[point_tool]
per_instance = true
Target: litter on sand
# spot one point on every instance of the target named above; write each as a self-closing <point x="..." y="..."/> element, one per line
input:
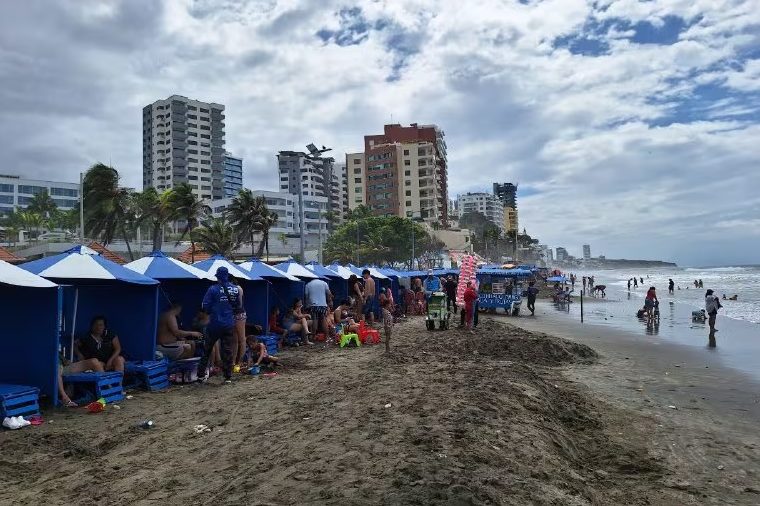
<point x="388" y="405"/>
<point x="200" y="429"/>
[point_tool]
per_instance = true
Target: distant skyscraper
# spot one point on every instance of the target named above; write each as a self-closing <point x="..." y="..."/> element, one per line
<point x="586" y="251"/>
<point x="561" y="254"/>
<point x="183" y="142"/>
<point x="507" y="194"/>
<point x="233" y="175"/>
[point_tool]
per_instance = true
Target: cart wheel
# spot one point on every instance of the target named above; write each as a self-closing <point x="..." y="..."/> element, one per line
<point x="516" y="311"/>
<point x="429" y="324"/>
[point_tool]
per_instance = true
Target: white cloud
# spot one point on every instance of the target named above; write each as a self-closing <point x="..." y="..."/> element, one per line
<point x="604" y="139"/>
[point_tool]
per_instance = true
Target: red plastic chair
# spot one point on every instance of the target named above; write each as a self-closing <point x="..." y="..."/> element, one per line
<point x="368" y="335"/>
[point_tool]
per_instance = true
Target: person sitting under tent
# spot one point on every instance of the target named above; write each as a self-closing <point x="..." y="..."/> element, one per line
<point x="342" y="316"/>
<point x="170" y="340"/>
<point x="274" y="325"/>
<point x="297" y="322"/>
<point x="101" y="344"/>
<point x="66" y="367"/>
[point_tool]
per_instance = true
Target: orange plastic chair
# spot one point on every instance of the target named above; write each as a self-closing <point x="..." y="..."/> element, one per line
<point x="368" y="335"/>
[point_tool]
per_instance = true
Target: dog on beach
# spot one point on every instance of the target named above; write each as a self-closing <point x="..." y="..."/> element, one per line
<point x="599" y="290"/>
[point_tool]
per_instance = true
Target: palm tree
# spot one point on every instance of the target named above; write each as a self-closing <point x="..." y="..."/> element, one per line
<point x="156" y="210"/>
<point x="188" y="207"/>
<point x="267" y="220"/>
<point x="217" y="236"/>
<point x="108" y="208"/>
<point x="42" y="203"/>
<point x="246" y="213"/>
<point x="29" y="221"/>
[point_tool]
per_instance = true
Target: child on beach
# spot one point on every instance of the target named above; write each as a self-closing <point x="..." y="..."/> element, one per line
<point x="387" y="323"/>
<point x="256" y="354"/>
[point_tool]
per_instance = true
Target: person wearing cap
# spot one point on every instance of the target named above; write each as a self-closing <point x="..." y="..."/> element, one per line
<point x="432" y="284"/>
<point x="221" y="302"/>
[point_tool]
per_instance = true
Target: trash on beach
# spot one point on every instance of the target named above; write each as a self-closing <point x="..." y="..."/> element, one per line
<point x="116" y="406"/>
<point x="721" y="467"/>
<point x="306" y="417"/>
<point x="200" y="429"/>
<point x="130" y="397"/>
<point x="672" y="407"/>
<point x="441" y="455"/>
<point x="388" y="405"/>
<point x="676" y="365"/>
<point x="146" y="424"/>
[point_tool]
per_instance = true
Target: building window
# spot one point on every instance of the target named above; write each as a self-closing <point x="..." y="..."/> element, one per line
<point x="33" y="190"/>
<point x="407" y="172"/>
<point x="6" y="188"/>
<point x="6" y="199"/>
<point x="357" y="171"/>
<point x="357" y="180"/>
<point x="357" y="161"/>
<point x="420" y="151"/>
<point x="407" y="183"/>
<point x="408" y="193"/>
<point x="407" y="162"/>
<point x="406" y="152"/>
<point x="408" y="203"/>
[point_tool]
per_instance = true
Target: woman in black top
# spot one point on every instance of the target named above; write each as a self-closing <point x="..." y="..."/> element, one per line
<point x="100" y="344"/>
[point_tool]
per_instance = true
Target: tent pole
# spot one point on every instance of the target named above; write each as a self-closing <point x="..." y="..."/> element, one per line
<point x="74" y="324"/>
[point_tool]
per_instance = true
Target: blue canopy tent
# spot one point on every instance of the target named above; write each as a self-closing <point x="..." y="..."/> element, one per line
<point x="97" y="286"/>
<point x="283" y="288"/>
<point x="181" y="283"/>
<point x="338" y="283"/>
<point x="255" y="289"/>
<point x="295" y="269"/>
<point x="556" y="279"/>
<point x="29" y="341"/>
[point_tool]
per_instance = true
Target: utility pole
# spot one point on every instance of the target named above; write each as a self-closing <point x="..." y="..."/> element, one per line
<point x="412" y="263"/>
<point x="301" y="219"/>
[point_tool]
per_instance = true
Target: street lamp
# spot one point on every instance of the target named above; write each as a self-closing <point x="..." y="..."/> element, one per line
<point x="314" y="154"/>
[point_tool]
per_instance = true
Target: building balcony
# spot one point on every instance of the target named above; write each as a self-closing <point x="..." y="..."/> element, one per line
<point x="178" y="126"/>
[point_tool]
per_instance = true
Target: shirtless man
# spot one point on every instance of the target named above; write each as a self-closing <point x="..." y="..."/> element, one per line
<point x="369" y="296"/>
<point x="171" y="340"/>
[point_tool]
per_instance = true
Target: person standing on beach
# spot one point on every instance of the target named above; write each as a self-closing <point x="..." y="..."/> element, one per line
<point x="450" y="288"/>
<point x="470" y="296"/>
<point x="532" y="293"/>
<point x="318" y="298"/>
<point x="584" y="283"/>
<point x="635" y="283"/>
<point x="629" y="284"/>
<point x="712" y="304"/>
<point x="221" y="301"/>
<point x="369" y="296"/>
<point x="671" y="286"/>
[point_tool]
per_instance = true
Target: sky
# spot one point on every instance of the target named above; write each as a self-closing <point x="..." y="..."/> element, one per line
<point x="632" y="126"/>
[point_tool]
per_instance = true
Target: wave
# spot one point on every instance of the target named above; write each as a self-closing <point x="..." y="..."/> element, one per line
<point x="718" y="269"/>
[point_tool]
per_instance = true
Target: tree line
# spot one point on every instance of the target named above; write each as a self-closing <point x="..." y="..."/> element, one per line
<point x="113" y="212"/>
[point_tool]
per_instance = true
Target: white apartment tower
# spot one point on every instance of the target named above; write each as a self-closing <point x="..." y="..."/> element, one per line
<point x="486" y="204"/>
<point x="314" y="177"/>
<point x="183" y="142"/>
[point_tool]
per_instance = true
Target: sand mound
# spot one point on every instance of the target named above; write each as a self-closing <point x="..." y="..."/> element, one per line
<point x="448" y="418"/>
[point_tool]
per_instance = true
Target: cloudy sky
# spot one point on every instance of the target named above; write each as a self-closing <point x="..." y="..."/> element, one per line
<point x="630" y="125"/>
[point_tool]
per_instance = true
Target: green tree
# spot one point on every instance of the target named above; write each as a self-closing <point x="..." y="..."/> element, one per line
<point x="156" y="210"/>
<point x="217" y="236"/>
<point x="189" y="208"/>
<point x="249" y="215"/>
<point x="267" y="220"/>
<point x="108" y="208"/>
<point x="43" y="204"/>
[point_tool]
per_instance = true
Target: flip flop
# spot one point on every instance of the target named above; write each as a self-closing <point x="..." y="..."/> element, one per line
<point x="36" y="420"/>
<point x="70" y="404"/>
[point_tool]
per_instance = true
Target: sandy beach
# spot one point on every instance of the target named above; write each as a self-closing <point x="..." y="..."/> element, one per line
<point x="505" y="416"/>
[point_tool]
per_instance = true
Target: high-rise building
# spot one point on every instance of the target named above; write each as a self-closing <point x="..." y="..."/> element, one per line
<point x="183" y="142"/>
<point x="233" y="175"/>
<point x="356" y="175"/>
<point x="586" y="251"/>
<point x="404" y="172"/>
<point x="561" y="254"/>
<point x="315" y="177"/>
<point x="484" y="203"/>
<point x="17" y="192"/>
<point x="507" y="194"/>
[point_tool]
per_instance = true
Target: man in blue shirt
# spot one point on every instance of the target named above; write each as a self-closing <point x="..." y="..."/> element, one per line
<point x="431" y="284"/>
<point x="220" y="302"/>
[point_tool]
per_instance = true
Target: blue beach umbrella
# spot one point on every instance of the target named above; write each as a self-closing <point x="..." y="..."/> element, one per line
<point x="97" y="286"/>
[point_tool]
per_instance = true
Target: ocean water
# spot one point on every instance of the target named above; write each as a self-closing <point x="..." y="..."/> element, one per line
<point x="741" y="281"/>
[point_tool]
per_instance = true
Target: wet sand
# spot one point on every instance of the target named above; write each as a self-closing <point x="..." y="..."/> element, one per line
<point x="504" y="416"/>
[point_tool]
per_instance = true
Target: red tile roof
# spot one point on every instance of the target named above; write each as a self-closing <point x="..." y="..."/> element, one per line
<point x="107" y="253"/>
<point x="188" y="258"/>
<point x="9" y="257"/>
